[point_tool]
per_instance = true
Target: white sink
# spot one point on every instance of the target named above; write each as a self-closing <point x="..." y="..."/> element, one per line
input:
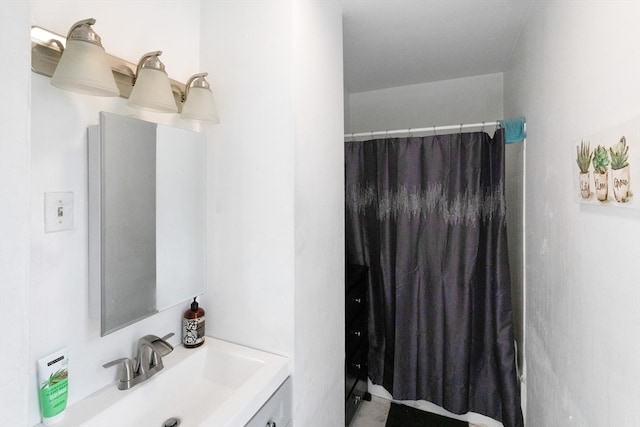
<point x="219" y="384"/>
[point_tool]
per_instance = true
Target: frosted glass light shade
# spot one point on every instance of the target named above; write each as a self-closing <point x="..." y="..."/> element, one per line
<point x="152" y="92"/>
<point x="200" y="106"/>
<point x="83" y="68"/>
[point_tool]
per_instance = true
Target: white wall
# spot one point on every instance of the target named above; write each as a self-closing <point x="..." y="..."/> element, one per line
<point x="319" y="216"/>
<point x="59" y="311"/>
<point x="277" y="260"/>
<point x="347" y="112"/>
<point x="247" y="48"/>
<point x="14" y="212"/>
<point x="466" y="100"/>
<point x="575" y="72"/>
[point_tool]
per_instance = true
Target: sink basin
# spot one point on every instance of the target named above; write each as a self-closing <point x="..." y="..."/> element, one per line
<point x="217" y="384"/>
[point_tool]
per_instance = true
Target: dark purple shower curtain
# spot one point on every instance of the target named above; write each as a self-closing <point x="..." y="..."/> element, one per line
<point x="427" y="215"/>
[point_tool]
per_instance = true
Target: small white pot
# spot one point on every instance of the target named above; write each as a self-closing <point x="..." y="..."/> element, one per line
<point x="585" y="189"/>
<point x="621" y="181"/>
<point x="601" y="181"/>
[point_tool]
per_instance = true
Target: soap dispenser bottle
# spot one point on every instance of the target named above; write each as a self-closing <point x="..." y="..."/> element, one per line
<point x="193" y="326"/>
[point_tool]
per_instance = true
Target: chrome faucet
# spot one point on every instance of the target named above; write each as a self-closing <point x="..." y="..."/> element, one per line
<point x="146" y="363"/>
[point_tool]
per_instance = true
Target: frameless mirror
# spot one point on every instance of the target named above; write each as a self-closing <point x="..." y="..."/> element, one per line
<point x="146" y="217"/>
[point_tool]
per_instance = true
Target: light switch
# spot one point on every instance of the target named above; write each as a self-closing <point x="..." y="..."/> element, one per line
<point x="58" y="211"/>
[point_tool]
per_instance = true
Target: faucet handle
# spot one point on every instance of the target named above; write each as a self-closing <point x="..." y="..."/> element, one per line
<point x="126" y="374"/>
<point x="166" y="337"/>
<point x="161" y="345"/>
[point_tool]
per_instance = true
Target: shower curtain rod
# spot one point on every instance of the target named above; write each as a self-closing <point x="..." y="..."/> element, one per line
<point x="428" y="129"/>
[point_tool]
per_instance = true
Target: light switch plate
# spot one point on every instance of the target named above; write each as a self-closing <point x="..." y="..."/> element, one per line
<point x="58" y="211"/>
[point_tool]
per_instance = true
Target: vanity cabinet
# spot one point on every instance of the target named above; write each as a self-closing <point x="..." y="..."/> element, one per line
<point x="356" y="339"/>
<point x="276" y="412"/>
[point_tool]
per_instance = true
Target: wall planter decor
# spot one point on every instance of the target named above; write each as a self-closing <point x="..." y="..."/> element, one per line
<point x="620" y="170"/>
<point x="603" y="175"/>
<point x="600" y="173"/>
<point x="584" y="161"/>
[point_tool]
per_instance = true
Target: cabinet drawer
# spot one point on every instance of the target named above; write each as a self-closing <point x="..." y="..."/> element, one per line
<point x="356" y="382"/>
<point x="355" y="335"/>
<point x="277" y="410"/>
<point x="355" y="298"/>
<point x="354" y="399"/>
<point x="355" y="275"/>
<point x="356" y="368"/>
<point x="355" y="306"/>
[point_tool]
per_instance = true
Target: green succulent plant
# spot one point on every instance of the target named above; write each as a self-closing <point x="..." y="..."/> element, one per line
<point x="619" y="154"/>
<point x="584" y="155"/>
<point x="600" y="159"/>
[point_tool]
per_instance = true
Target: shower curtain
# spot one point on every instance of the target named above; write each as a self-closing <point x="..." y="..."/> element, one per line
<point x="427" y="215"/>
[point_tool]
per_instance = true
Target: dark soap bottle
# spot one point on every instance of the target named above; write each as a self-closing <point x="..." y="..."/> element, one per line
<point x="193" y="326"/>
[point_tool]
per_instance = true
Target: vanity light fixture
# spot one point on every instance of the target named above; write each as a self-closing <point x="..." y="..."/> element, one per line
<point x="83" y="66"/>
<point x="46" y="59"/>
<point x="198" y="100"/>
<point x="151" y="87"/>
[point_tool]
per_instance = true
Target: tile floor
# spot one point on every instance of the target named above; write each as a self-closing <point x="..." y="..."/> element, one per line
<point x="371" y="414"/>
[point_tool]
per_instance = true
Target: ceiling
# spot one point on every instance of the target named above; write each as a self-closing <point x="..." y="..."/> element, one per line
<point x="391" y="43"/>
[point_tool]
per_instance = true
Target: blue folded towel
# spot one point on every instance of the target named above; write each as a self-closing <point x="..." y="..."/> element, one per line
<point x="513" y="130"/>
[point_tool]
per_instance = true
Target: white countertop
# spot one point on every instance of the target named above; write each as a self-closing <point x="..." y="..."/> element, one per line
<point x="219" y="384"/>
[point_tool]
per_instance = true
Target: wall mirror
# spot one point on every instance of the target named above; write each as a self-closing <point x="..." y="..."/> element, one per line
<point x="147" y="219"/>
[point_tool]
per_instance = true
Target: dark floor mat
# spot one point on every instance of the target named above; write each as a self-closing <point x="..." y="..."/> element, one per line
<point x="406" y="416"/>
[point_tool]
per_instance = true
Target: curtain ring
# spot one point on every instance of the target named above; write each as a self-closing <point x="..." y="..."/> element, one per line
<point x="387" y="133"/>
<point x="460" y="128"/>
<point x="371" y="136"/>
<point x="434" y="130"/>
<point x="410" y="133"/>
<point x="482" y="126"/>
